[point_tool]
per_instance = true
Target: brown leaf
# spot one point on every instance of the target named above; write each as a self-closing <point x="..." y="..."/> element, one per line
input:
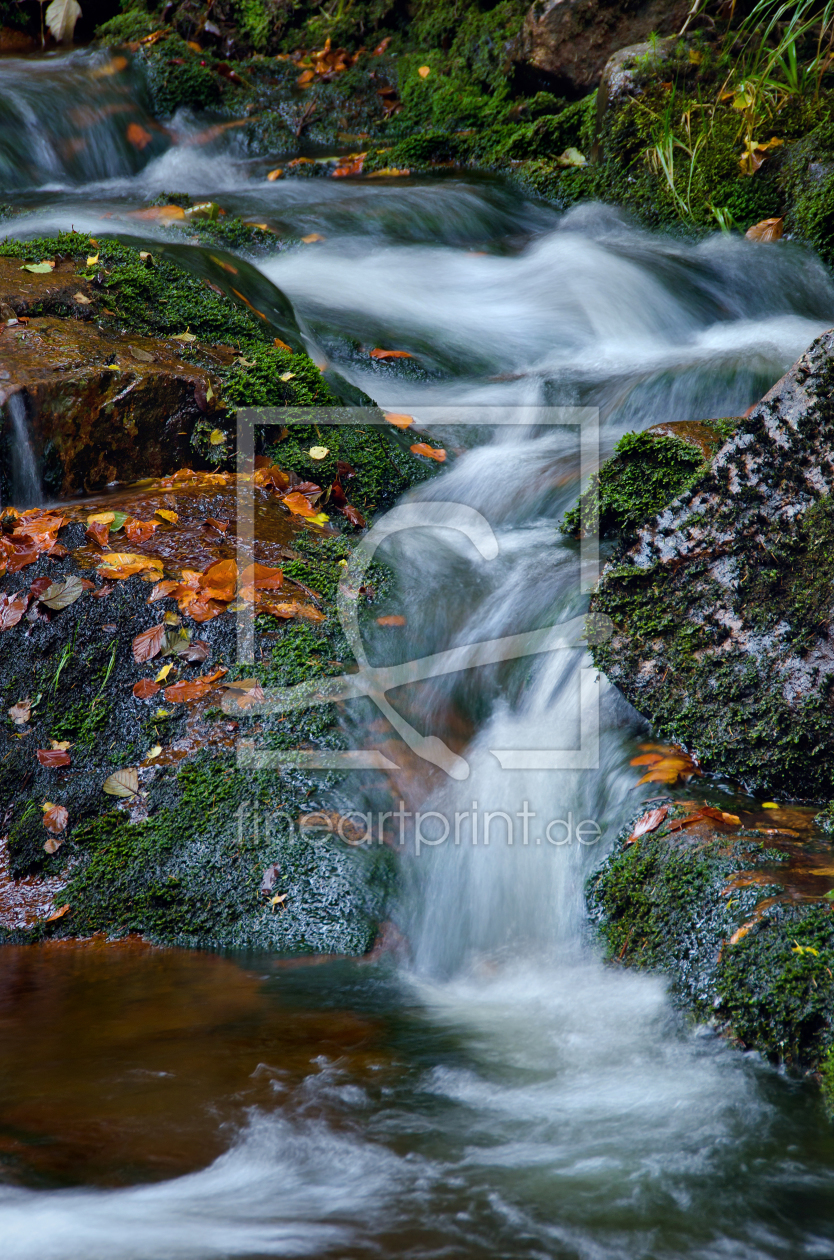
<point x="298" y="504"/>
<point x="145" y="688"/>
<point x="103" y="591"/>
<point x="391" y="354"/>
<point x="648" y="759"/>
<point x="21" y="712"/>
<point x="53" y="757"/>
<point x="767" y="230"/>
<point x="182" y="692"/>
<point x="679" y="823"/>
<point x="148" y="644"/>
<point x="649" y="822"/>
<point x="12" y="608"/>
<point x="98" y="532"/>
<point x="217" y="523"/>
<point x="140" y="531"/>
<point x="195" y="652"/>
<point x="60" y="912"/>
<point x="203" y="610"/>
<point x="55" y="817"/>
<point x="393" y="619"/>
<point x="353" y="514"/>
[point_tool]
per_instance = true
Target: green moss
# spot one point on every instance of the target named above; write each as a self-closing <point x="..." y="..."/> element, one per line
<point x="647" y="471"/>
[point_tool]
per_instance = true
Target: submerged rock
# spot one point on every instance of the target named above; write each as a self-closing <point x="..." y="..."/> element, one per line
<point x="722" y="606"/>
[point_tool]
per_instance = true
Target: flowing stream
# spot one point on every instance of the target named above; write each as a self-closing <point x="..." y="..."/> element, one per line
<point x="499" y="1093"/>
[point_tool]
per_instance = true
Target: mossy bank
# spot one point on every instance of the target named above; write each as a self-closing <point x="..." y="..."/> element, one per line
<point x="203" y="850"/>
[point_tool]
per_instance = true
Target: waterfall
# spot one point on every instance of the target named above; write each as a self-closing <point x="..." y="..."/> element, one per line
<point x="26" y="488"/>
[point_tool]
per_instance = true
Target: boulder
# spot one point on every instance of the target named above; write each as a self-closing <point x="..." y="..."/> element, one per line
<point x="103" y="406"/>
<point x="722" y="606"/>
<point x="569" y="41"/>
<point x="735" y="908"/>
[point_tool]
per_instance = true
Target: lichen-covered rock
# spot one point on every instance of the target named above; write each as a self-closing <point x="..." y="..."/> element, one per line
<point x="738" y="914"/>
<point x="722" y="606"/>
<point x="570" y="41"/>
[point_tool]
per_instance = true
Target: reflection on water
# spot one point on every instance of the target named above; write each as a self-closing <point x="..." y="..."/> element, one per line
<point x="503" y="1095"/>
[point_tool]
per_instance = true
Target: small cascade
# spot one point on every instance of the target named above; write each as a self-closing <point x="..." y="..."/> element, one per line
<point x="72" y="122"/>
<point x="26" y="489"/>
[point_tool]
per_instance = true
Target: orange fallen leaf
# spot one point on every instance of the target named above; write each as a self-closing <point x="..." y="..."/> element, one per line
<point x="140" y="531"/>
<point x="58" y="914"/>
<point x="138" y="136"/>
<point x="741" y="932"/>
<point x="431" y="452"/>
<point x="393" y="619"/>
<point x="391" y="354"/>
<point x="767" y="230"/>
<point x="262" y="577"/>
<point x="298" y="504"/>
<point x="649" y="822"/>
<point x="398" y="419"/>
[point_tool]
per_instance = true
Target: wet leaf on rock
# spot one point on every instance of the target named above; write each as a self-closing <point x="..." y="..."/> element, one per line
<point x="398" y="419"/>
<point x="53" y="757"/>
<point x="430" y="452"/>
<point x="140" y="531"/>
<point x="39" y="269"/>
<point x="649" y="822"/>
<point x="145" y="688"/>
<point x="62" y="910"/>
<point x="391" y="354"/>
<point x="122" y="783"/>
<point x="62" y="594"/>
<point x="55" y="817"/>
<point x="12" y="608"/>
<point x="149" y="643"/>
<point x="167" y="515"/>
<point x="21" y="712"/>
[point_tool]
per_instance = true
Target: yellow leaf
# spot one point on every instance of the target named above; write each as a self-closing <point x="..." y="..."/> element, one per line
<point x="113" y="559"/>
<point x="154" y="752"/>
<point x="287" y="376"/>
<point x="321" y="518"/>
<point x="695" y="57"/>
<point x="312" y="238"/>
<point x="162" y="713"/>
<point x="187" y="337"/>
<point x="217" y="437"/>
<point x="769" y="805"/>
<point x="163" y="673"/>
<point x="101" y="518"/>
<point x="424" y="72"/>
<point x="276" y="174"/>
<point x="92" y="260"/>
<point x="166" y="516"/>
<point x="318" y="452"/>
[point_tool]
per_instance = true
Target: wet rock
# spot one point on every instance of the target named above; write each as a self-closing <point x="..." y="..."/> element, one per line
<point x="738" y="914"/>
<point x="570" y="41"/>
<point x="722" y="607"/>
<point x="103" y="406"/>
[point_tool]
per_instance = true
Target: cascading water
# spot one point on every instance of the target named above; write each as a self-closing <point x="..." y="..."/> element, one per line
<point x="501" y="1094"/>
<point x="25" y="473"/>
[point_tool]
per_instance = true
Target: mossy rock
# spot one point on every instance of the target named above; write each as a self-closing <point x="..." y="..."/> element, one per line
<point x="646" y="472"/>
<point x="721" y="605"/>
<point x="728" y="914"/>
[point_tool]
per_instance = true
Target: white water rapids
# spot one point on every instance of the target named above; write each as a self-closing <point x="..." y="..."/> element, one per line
<point x="547" y="1106"/>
